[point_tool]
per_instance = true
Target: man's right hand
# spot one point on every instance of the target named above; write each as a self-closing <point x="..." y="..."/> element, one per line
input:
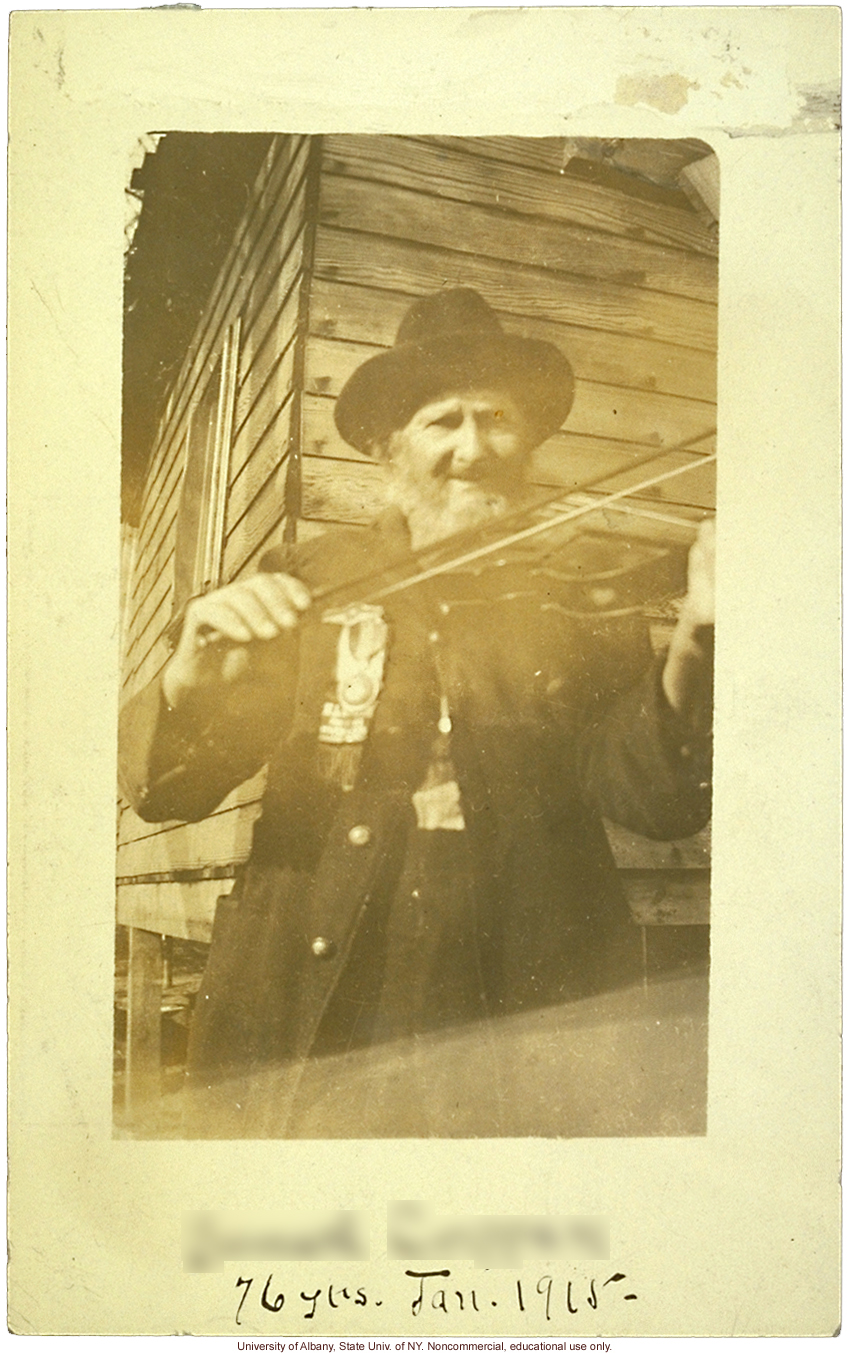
<point x="223" y="632"/>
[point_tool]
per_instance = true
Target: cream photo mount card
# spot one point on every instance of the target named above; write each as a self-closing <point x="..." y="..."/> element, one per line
<point x="723" y="1222"/>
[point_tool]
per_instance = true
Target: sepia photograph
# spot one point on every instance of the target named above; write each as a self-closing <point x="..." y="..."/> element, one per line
<point x="424" y="913"/>
<point x="418" y="488"/>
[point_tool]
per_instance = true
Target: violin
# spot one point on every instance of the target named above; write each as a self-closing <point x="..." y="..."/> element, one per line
<point x="644" y="552"/>
<point x="646" y="549"/>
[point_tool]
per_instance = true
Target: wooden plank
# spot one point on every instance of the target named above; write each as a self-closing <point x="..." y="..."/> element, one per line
<point x="555" y="156"/>
<point x="700" y="182"/>
<point x="152" y="603"/>
<point x="311" y="530"/>
<point x="250" y="563"/>
<point x="267" y="400"/>
<point x="231" y="288"/>
<point x="220" y="839"/>
<point x="151" y="526"/>
<point x="131" y="828"/>
<point x="276" y="233"/>
<point x="147" y="667"/>
<point x="634" y="852"/>
<point x="371" y="318"/>
<point x="599" y="410"/>
<point x="266" y="512"/>
<point x="567" y="458"/>
<point x="355" y="491"/>
<point x="659" y="161"/>
<point x="272" y="325"/>
<point x="636" y="415"/>
<point x="153" y="616"/>
<point x="668" y="897"/>
<point x="270" y="453"/>
<point x="342" y="491"/>
<point x="153" y="568"/>
<point x="419" y="269"/>
<point x="183" y="910"/>
<point x="144" y="1018"/>
<point x="228" y="293"/>
<point x="573" y="461"/>
<point x="356" y="204"/>
<point x="159" y="562"/>
<point x="516" y="180"/>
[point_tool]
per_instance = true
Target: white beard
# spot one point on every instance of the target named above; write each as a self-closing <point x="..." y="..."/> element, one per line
<point x="456" y="505"/>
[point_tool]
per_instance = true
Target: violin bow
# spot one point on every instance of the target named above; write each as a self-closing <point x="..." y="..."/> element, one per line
<point x="455" y="554"/>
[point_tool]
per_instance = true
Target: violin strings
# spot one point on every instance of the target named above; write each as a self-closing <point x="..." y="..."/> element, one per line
<point x="559" y="519"/>
<point x="666" y="517"/>
<point x="323" y="595"/>
<point x="210" y="636"/>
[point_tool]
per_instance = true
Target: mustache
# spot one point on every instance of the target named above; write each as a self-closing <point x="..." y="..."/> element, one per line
<point x="490" y="469"/>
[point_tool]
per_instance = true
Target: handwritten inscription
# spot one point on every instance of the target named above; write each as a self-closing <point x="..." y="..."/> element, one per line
<point x="545" y="1298"/>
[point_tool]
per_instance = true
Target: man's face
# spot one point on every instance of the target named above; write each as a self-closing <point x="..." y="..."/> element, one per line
<point x="459" y="461"/>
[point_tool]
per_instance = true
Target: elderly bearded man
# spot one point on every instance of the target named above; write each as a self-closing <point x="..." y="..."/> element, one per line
<point x="430" y="854"/>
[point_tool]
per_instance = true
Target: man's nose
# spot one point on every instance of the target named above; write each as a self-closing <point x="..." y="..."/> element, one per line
<point x="471" y="444"/>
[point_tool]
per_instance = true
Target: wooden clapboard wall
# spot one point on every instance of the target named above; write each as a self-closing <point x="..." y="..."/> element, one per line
<point x="626" y="284"/>
<point x="169" y="875"/>
<point x="341" y="233"/>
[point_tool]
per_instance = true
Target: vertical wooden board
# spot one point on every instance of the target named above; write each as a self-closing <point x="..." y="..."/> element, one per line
<point x="144" y="1019"/>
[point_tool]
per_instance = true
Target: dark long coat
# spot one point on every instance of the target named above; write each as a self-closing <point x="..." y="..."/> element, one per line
<point x="558" y="718"/>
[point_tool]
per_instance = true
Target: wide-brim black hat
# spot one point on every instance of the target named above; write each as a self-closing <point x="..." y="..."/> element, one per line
<point x="446" y="343"/>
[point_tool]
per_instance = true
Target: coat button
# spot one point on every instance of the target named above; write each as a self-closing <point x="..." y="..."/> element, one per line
<point x="359" y="835"/>
<point x="322" y="948"/>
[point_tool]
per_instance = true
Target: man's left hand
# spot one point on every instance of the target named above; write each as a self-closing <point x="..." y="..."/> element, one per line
<point x="687" y="676"/>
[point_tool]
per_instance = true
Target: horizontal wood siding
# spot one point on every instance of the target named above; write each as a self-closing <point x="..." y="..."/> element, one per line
<point x="183" y="910"/>
<point x="622" y="276"/>
<point x="520" y="177"/>
<point x="259" y="285"/>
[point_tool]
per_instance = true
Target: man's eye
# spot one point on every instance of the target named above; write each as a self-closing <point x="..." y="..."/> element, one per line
<point x="450" y="420"/>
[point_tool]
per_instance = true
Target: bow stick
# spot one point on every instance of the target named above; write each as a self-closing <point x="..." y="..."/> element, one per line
<point x="453" y="554"/>
<point x="461" y="549"/>
<point x="557" y="520"/>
